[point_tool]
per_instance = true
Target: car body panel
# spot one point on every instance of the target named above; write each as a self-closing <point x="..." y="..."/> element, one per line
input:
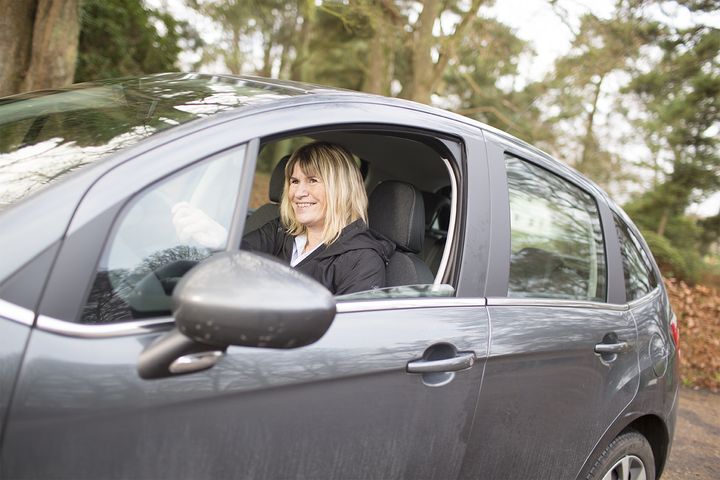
<point x="343" y="404"/>
<point x="14" y="338"/>
<point x="543" y="374"/>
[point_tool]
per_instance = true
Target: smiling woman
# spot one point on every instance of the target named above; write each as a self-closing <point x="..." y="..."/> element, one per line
<point x="322" y="230"/>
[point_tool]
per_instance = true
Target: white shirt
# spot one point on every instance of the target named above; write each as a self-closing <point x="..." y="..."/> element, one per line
<point x="298" y="247"/>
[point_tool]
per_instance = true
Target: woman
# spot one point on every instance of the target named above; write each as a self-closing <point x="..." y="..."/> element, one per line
<point x="322" y="230"/>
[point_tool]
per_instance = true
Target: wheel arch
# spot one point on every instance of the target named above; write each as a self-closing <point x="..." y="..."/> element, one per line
<point x="651" y="426"/>
<point x="656" y="433"/>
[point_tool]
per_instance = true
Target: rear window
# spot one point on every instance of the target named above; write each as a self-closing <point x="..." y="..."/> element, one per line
<point x="557" y="247"/>
<point x="639" y="273"/>
<point x="46" y="135"/>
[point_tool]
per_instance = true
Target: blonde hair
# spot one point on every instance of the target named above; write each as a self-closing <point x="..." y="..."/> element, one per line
<point x="346" y="199"/>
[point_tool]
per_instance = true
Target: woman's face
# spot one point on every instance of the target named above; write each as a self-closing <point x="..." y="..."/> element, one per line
<point x="307" y="196"/>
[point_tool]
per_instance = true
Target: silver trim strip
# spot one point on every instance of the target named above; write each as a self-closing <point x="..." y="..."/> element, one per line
<point x="408" y="303"/>
<point x="648" y="297"/>
<point x="551" y="302"/>
<point x="16" y="313"/>
<point x="70" y="329"/>
<point x="120" y="329"/>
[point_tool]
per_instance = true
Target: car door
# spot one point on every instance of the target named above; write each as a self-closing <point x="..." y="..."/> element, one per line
<point x="20" y="290"/>
<point x="563" y="360"/>
<point x="345" y="406"/>
<point x="14" y="330"/>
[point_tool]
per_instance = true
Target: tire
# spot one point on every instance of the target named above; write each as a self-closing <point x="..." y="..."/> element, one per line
<point x="628" y="457"/>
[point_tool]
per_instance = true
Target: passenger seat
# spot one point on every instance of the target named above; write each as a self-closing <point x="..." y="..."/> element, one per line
<point x="396" y="210"/>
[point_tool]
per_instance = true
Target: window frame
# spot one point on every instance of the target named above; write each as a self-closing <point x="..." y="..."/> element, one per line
<point x="240" y="154"/>
<point x="453" y="158"/>
<point x="603" y="234"/>
<point x="178" y="148"/>
<point x="499" y="145"/>
<point x="73" y="273"/>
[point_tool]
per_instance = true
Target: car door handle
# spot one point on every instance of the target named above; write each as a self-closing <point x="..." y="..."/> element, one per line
<point x="619" y="347"/>
<point x="462" y="361"/>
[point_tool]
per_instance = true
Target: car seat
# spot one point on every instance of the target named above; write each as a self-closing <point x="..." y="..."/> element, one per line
<point x="396" y="210"/>
<point x="269" y="211"/>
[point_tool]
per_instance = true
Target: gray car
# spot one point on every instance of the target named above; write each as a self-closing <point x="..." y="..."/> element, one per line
<point x="525" y="332"/>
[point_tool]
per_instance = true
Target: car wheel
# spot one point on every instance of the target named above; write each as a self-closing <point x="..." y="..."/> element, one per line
<point x="628" y="457"/>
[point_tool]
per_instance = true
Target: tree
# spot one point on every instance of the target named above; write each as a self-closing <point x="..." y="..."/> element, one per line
<point x="682" y="98"/>
<point x="380" y="41"/>
<point x="121" y="38"/>
<point x="38" y="44"/>
<point x="486" y="56"/>
<point x="584" y="80"/>
<point x="680" y="121"/>
<point x="282" y="29"/>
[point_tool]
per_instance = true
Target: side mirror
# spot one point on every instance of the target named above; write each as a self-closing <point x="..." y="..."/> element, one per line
<point x="237" y="298"/>
<point x="242" y="298"/>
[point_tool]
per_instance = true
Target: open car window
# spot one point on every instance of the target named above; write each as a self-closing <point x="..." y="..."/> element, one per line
<point x="387" y="160"/>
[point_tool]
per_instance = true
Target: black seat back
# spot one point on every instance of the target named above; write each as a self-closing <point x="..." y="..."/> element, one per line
<point x="396" y="210"/>
<point x="269" y="211"/>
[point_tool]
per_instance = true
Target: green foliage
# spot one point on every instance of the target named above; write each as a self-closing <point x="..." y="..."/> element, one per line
<point x="491" y="51"/>
<point x="121" y="37"/>
<point x="343" y="47"/>
<point x="710" y="233"/>
<point x="682" y="99"/>
<point x="674" y="263"/>
<point x="582" y="83"/>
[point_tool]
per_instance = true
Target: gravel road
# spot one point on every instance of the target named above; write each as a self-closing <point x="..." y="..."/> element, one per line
<point x="696" y="450"/>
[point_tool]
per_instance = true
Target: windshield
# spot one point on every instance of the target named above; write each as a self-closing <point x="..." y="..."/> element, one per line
<point x="46" y="135"/>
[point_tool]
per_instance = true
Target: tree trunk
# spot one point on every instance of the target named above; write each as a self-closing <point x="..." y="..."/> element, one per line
<point x="377" y="62"/>
<point x="663" y="222"/>
<point x="299" y="69"/>
<point x="55" y="38"/>
<point x="266" y="70"/>
<point x="426" y="74"/>
<point x="234" y="59"/>
<point x="589" y="138"/>
<point x="16" y="32"/>
<point x="420" y="87"/>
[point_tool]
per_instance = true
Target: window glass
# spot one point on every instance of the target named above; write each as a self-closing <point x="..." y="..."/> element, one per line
<point x="160" y="235"/>
<point x="557" y="248"/>
<point x="637" y="267"/>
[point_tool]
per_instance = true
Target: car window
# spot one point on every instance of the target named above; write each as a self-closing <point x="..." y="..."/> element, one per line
<point x="414" y="267"/>
<point x="557" y="248"/>
<point x="637" y="268"/>
<point x="159" y="235"/>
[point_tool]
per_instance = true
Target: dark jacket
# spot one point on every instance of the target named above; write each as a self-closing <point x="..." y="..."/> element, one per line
<point x="354" y="262"/>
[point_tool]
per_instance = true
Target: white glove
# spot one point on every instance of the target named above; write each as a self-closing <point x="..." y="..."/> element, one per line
<point x="193" y="225"/>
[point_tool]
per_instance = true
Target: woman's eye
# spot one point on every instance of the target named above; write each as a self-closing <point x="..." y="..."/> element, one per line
<point x="293" y="181"/>
<point x="313" y="180"/>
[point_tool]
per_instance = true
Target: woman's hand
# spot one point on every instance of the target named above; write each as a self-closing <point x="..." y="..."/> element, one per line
<point x="194" y="225"/>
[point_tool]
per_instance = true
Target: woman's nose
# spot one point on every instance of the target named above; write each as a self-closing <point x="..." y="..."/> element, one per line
<point x="301" y="190"/>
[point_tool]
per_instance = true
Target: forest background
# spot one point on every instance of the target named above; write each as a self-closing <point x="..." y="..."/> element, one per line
<point x="633" y="102"/>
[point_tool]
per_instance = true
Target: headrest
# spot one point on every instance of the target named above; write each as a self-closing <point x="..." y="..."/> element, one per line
<point x="277" y="180"/>
<point x="396" y="210"/>
<point x="437" y="207"/>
